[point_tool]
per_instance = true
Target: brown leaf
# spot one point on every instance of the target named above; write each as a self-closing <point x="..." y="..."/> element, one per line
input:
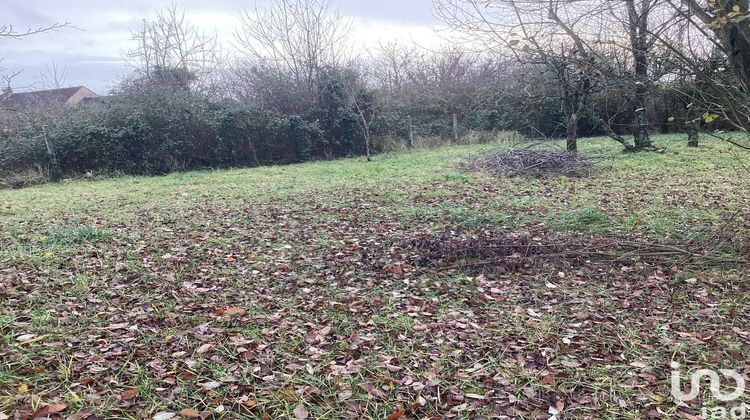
<point x="47" y="410"/>
<point x="344" y="395"/>
<point x="204" y="348"/>
<point x="186" y="374"/>
<point x="300" y="412"/>
<point x="392" y="368"/>
<point x="397" y="414"/>
<point x="83" y="414"/>
<point x="234" y="311"/>
<point x="129" y="394"/>
<point x="396" y="269"/>
<point x="56" y="408"/>
<point x="189" y="413"/>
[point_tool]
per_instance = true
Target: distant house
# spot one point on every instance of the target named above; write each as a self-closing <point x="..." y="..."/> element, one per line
<point x="41" y="99"/>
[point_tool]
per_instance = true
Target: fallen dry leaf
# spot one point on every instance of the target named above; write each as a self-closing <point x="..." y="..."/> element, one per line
<point x="210" y="385"/>
<point x="25" y="337"/>
<point x="322" y="319"/>
<point x="129" y="394"/>
<point x="234" y="311"/>
<point x="204" y="348"/>
<point x="189" y="413"/>
<point x="50" y="409"/>
<point x="397" y="414"/>
<point x="56" y="408"/>
<point x="300" y="412"/>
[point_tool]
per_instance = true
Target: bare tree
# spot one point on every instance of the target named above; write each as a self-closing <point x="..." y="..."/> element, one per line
<point x="640" y="22"/>
<point x="169" y="46"/>
<point x="364" y="100"/>
<point x="53" y="76"/>
<point x="6" y="77"/>
<point x="294" y="37"/>
<point x="561" y="37"/>
<point x="8" y="32"/>
<point x="392" y="65"/>
<point x="714" y="54"/>
<point x="638" y="12"/>
<point x="729" y="22"/>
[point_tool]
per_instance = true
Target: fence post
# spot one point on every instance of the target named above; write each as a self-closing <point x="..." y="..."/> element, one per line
<point x="54" y="170"/>
<point x="455" y="128"/>
<point x="411" y="133"/>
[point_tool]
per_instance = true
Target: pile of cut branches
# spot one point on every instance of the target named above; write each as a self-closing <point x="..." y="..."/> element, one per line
<point x="515" y="253"/>
<point x="533" y="162"/>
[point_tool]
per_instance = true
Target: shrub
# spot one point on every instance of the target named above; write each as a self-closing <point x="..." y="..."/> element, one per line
<point x="24" y="178"/>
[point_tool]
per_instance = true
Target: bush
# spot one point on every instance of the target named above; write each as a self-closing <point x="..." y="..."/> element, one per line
<point x="148" y="128"/>
<point x="23" y="178"/>
<point x="22" y="147"/>
<point x="159" y="125"/>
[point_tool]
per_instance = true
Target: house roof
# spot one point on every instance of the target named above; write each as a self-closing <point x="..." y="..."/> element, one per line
<point x="42" y="98"/>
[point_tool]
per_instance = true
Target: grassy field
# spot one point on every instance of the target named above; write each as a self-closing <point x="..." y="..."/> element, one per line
<point x="318" y="290"/>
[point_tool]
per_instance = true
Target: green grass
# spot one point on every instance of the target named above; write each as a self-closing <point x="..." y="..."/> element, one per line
<point x="76" y="236"/>
<point x="584" y="220"/>
<point x="122" y="282"/>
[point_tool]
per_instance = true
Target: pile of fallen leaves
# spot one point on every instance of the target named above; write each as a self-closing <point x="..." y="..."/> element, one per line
<point x="531" y="161"/>
<point x="252" y="300"/>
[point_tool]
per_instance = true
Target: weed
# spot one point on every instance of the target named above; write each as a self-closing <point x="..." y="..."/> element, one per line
<point x="77" y="235"/>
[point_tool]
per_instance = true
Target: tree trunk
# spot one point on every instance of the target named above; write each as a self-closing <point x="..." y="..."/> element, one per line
<point x="55" y="173"/>
<point x="638" y="22"/>
<point x="610" y="133"/>
<point x="641" y="125"/>
<point x="366" y="130"/>
<point x="740" y="58"/>
<point x="735" y="38"/>
<point x="367" y="143"/>
<point x="692" y="135"/>
<point x="571" y="144"/>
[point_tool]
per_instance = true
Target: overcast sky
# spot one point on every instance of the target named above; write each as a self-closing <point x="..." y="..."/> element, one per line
<point x="92" y="51"/>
